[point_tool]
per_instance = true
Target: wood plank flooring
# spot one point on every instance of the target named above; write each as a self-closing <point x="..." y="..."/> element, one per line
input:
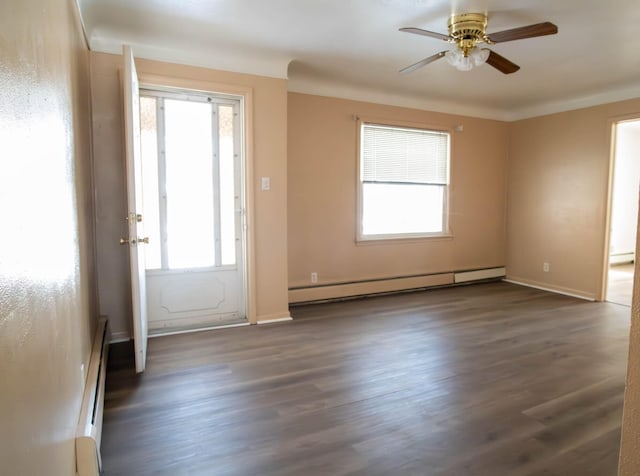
<point x="620" y="283"/>
<point x="490" y="379"/>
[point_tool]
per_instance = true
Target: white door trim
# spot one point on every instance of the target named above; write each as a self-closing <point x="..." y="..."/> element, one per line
<point x="150" y="80"/>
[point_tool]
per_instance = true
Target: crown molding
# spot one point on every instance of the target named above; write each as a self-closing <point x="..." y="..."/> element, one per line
<point x="276" y="66"/>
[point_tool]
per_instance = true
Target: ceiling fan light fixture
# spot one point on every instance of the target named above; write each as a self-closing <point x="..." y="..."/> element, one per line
<point x="467" y="31"/>
<point x="476" y="57"/>
<point x="456" y="58"/>
<point x="479" y="56"/>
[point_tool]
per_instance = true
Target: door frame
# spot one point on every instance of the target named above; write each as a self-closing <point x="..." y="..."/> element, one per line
<point x="245" y="95"/>
<point x="612" y="127"/>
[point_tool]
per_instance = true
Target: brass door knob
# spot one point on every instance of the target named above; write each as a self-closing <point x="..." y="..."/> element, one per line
<point x="124" y="241"/>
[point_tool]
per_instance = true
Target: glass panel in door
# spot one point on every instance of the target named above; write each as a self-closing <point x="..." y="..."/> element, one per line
<point x="189" y="184"/>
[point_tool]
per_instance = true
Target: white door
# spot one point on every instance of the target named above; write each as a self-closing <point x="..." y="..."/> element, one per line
<point x="193" y="198"/>
<point x="134" y="202"/>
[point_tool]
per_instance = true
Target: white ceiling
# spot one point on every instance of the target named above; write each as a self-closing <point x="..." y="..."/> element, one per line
<point x="353" y="49"/>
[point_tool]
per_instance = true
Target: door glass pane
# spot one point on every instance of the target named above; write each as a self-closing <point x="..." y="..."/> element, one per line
<point x="227" y="186"/>
<point x="149" y="153"/>
<point x="189" y="182"/>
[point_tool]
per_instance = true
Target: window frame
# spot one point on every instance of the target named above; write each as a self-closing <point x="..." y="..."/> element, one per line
<point x="215" y="100"/>
<point x="362" y="238"/>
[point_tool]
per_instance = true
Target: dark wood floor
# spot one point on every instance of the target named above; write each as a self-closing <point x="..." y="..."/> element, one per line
<point x="620" y="283"/>
<point x="491" y="379"/>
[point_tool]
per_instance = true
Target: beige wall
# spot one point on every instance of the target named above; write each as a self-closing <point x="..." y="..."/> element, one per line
<point x="630" y="444"/>
<point x="267" y="152"/>
<point x="47" y="288"/>
<point x="557" y="208"/>
<point x="557" y="198"/>
<point x="322" y="161"/>
<point x="630" y="448"/>
<point x="558" y="168"/>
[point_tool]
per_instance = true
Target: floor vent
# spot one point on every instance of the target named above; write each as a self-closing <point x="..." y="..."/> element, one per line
<point x="89" y="432"/>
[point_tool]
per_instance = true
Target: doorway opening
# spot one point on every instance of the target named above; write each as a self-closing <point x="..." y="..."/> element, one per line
<point x="193" y="202"/>
<point x="624" y="212"/>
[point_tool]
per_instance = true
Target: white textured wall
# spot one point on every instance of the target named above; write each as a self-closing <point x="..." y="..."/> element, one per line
<point x="47" y="291"/>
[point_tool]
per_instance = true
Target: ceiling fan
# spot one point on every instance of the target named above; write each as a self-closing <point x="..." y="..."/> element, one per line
<point x="467" y="30"/>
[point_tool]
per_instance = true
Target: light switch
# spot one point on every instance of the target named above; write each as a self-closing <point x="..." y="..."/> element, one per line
<point x="266" y="183"/>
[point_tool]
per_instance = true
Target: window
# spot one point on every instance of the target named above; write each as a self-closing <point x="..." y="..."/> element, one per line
<point x="404" y="178"/>
<point x="190" y="179"/>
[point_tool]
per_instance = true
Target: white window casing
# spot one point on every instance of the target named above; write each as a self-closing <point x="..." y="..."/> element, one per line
<point x="403" y="182"/>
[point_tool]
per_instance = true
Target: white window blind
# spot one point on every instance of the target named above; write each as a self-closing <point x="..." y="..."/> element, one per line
<point x="402" y="155"/>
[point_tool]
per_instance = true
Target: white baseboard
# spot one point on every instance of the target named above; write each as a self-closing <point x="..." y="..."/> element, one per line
<point x="551" y="289"/>
<point x="272" y="321"/>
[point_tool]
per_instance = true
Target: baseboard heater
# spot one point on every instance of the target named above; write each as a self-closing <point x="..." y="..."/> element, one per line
<point x="333" y="291"/>
<point x="89" y="431"/>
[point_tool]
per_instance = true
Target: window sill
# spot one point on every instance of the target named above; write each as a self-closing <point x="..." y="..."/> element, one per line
<point x="395" y="239"/>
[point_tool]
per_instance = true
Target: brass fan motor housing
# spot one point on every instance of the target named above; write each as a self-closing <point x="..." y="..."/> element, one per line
<point x="467" y="29"/>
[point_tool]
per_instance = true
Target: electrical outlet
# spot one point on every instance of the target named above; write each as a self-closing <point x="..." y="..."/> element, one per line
<point x="314" y="277"/>
<point x="545" y="267"/>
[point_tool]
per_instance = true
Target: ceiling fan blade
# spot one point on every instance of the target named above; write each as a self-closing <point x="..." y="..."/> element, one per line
<point x="530" y="31"/>
<point x="432" y="34"/>
<point x="501" y="63"/>
<point x="423" y="62"/>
